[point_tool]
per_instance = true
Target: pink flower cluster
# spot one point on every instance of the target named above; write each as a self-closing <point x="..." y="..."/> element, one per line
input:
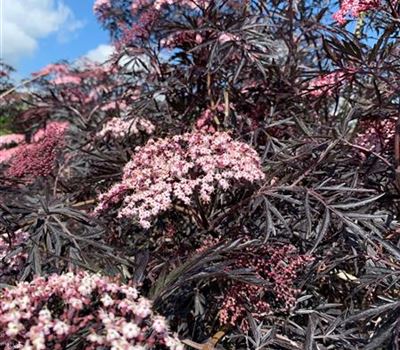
<point x="38" y="158"/>
<point x="181" y="37"/>
<point x="207" y="243"/>
<point x="9" y="145"/>
<point x="177" y="169"/>
<point x="13" y="264"/>
<point x="100" y="78"/>
<point x="130" y="34"/>
<point x="62" y="74"/>
<point x="92" y="69"/>
<point x="225" y="37"/>
<point x="118" y="128"/>
<point x="210" y="117"/>
<point x="7" y="140"/>
<point x="147" y="13"/>
<point x="140" y="29"/>
<point x="7" y="153"/>
<point x="53" y="69"/>
<point x="158" y="4"/>
<point x="54" y="312"/>
<point x="194" y="37"/>
<point x="101" y="5"/>
<point x="354" y="8"/>
<point x="326" y="84"/>
<point x="139" y="5"/>
<point x="67" y="79"/>
<point x="278" y="265"/>
<point x="376" y="135"/>
<point x="114" y="105"/>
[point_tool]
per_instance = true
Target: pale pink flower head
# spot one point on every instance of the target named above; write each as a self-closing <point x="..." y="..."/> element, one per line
<point x="130" y="330"/>
<point x="7" y="153"/>
<point x="61" y="328"/>
<point x="376" y="135"/>
<point x="160" y="324"/>
<point x="10" y="139"/>
<point x="354" y="8"/>
<point x="158" y="4"/>
<point x="118" y="128"/>
<point x="225" y="37"/>
<point x="11" y="266"/>
<point x="178" y="168"/>
<point x="53" y="69"/>
<point x="67" y="79"/>
<point x="207" y="118"/>
<point x="326" y="84"/>
<point x="101" y="5"/>
<point x="139" y="4"/>
<point x="107" y="317"/>
<point x="198" y="38"/>
<point x="181" y="37"/>
<point x="9" y="145"/>
<point x="113" y="105"/>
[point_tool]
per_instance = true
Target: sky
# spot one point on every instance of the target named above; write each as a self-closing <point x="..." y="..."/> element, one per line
<point x="34" y="33"/>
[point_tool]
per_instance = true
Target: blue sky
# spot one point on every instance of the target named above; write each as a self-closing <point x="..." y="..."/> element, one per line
<point x="38" y="32"/>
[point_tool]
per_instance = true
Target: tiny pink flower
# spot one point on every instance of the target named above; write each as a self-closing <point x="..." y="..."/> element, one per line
<point x="130" y="330"/>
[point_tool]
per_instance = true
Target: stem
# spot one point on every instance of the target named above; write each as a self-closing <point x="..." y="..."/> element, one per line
<point x="203" y="217"/>
<point x="25" y="82"/>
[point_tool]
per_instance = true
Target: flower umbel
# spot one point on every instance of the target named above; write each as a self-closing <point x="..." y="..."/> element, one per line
<point x="177" y="169"/>
<point x="50" y="313"/>
<point x="38" y="158"/>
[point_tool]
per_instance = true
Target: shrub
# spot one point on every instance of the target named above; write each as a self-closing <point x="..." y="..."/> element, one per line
<point x="266" y="128"/>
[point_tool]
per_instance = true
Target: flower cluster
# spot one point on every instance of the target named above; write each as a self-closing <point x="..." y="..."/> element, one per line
<point x="7" y="153"/>
<point x="9" y="145"/>
<point x="100" y="78"/>
<point x="147" y="13"/>
<point x="102" y="8"/>
<point x="354" y="8"/>
<point x="139" y="5"/>
<point x="279" y="266"/>
<point x="207" y="243"/>
<point x="376" y="135"/>
<point x="73" y="80"/>
<point x="53" y="69"/>
<point x="101" y="5"/>
<point x="113" y="105"/>
<point x="61" y="72"/>
<point x="326" y="84"/>
<point x="38" y="158"/>
<point x="12" y="264"/>
<point x="179" y="168"/>
<point x="181" y="37"/>
<point x="225" y="37"/>
<point x="55" y="312"/>
<point x="10" y="139"/>
<point x="209" y="117"/>
<point x="67" y="79"/>
<point x="118" y="128"/>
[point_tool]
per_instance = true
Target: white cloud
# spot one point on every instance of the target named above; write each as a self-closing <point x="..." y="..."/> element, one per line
<point x="24" y="22"/>
<point x="70" y="30"/>
<point x="100" y="54"/>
